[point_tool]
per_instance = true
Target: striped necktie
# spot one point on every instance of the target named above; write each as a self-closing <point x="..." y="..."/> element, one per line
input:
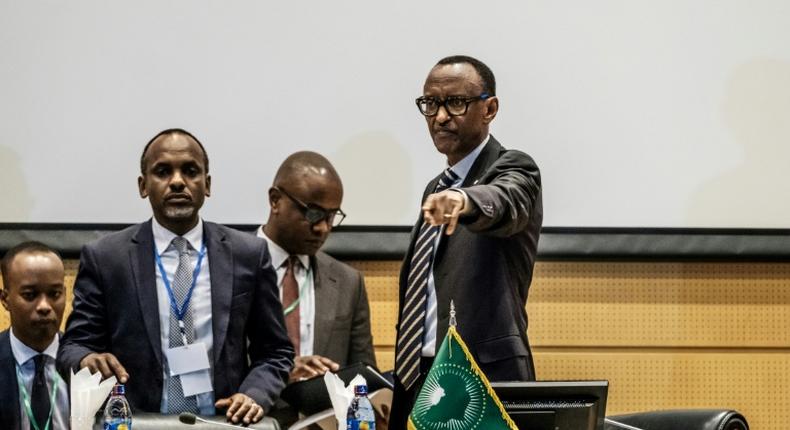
<point x="410" y="332"/>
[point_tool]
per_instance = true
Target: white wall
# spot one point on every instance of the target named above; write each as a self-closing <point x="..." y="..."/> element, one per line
<point x="639" y="113"/>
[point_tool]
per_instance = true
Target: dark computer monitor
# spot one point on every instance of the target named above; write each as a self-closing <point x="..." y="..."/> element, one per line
<point x="555" y="405"/>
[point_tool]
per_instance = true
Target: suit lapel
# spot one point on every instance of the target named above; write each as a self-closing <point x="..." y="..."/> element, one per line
<point x="429" y="190"/>
<point x="326" y="295"/>
<point x="404" y="272"/>
<point x="141" y="257"/>
<point x="487" y="156"/>
<point x="221" y="269"/>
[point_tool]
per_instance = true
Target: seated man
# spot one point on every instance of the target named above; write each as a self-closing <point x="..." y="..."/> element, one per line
<point x="32" y="394"/>
<point x="324" y="300"/>
<point x="144" y="293"/>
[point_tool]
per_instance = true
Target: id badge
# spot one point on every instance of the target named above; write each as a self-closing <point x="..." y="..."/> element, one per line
<point x="190" y="362"/>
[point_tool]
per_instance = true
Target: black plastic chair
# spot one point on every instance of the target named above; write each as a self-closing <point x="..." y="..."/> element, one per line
<point x="680" y="419"/>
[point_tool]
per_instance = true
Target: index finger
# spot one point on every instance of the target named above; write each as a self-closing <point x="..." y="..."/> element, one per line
<point x="252" y="413"/>
<point x="428" y="208"/>
<point x="244" y="406"/>
<point x="235" y="405"/>
<point x="329" y="363"/>
<point x="90" y="362"/>
<point x="117" y="368"/>
<point x="103" y="366"/>
<point x="453" y="220"/>
<point x="318" y="364"/>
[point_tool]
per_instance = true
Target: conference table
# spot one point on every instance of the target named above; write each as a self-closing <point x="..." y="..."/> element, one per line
<point x="152" y="421"/>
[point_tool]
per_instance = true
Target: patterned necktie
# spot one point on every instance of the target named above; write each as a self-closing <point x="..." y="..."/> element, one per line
<point x="39" y="398"/>
<point x="182" y="281"/>
<point x="410" y="332"/>
<point x="290" y="295"/>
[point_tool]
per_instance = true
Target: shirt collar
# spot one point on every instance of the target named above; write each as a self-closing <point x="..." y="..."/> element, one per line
<point x="279" y="255"/>
<point x="163" y="237"/>
<point x="23" y="353"/>
<point x="462" y="167"/>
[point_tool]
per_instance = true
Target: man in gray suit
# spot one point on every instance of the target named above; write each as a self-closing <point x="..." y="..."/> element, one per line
<point x="324" y="300"/>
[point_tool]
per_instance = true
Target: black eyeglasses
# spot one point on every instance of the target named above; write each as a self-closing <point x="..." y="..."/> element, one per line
<point x="454" y="105"/>
<point x="314" y="213"/>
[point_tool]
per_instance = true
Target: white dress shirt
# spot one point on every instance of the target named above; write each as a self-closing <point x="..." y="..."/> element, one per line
<point x="461" y="169"/>
<point x="26" y="366"/>
<point x="306" y="291"/>
<point x="200" y="304"/>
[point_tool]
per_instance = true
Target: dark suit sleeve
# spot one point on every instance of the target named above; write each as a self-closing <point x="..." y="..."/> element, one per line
<point x="505" y="201"/>
<point x="361" y="341"/>
<point x="270" y="351"/>
<point x="86" y="328"/>
<point x="9" y="394"/>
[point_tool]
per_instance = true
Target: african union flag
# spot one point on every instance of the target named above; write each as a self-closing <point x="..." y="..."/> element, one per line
<point x="456" y="394"/>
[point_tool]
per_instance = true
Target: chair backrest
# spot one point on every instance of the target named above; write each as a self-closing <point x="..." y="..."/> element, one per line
<point x="686" y="419"/>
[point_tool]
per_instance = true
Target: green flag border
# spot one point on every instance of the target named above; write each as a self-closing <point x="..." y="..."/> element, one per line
<point x="452" y="333"/>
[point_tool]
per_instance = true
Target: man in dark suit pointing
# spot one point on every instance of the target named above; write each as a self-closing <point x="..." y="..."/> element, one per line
<point x="475" y="240"/>
<point x="143" y="294"/>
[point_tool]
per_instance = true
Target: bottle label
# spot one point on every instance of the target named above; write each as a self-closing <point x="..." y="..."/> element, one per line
<point x="118" y="425"/>
<point x="353" y="424"/>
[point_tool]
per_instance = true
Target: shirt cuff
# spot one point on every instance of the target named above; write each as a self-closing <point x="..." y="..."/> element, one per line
<point x="466" y="208"/>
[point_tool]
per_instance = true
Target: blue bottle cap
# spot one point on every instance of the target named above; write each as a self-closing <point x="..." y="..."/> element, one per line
<point x="360" y="390"/>
<point x="119" y="390"/>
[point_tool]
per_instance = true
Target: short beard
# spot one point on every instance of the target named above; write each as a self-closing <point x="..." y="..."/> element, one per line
<point x="179" y="212"/>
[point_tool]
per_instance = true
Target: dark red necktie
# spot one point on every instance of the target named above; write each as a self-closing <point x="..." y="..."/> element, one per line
<point x="291" y="295"/>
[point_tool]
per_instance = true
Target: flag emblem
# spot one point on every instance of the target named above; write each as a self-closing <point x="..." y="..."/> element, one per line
<point x="456" y="394"/>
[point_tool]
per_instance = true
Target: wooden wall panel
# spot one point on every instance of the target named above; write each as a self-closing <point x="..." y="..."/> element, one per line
<point x="660" y="304"/>
<point x="381" y="283"/>
<point x="666" y="335"/>
<point x="754" y="383"/>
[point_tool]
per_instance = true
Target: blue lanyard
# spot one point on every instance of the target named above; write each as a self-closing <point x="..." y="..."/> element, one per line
<point x="180" y="311"/>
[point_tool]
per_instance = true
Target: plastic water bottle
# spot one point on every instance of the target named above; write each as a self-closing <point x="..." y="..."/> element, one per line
<point x="360" y="413"/>
<point x="117" y="413"/>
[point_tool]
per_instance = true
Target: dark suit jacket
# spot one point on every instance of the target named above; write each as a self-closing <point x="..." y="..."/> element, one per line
<point x="342" y="313"/>
<point x="485" y="267"/>
<point x="342" y="321"/>
<point x="9" y="391"/>
<point x="116" y="310"/>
